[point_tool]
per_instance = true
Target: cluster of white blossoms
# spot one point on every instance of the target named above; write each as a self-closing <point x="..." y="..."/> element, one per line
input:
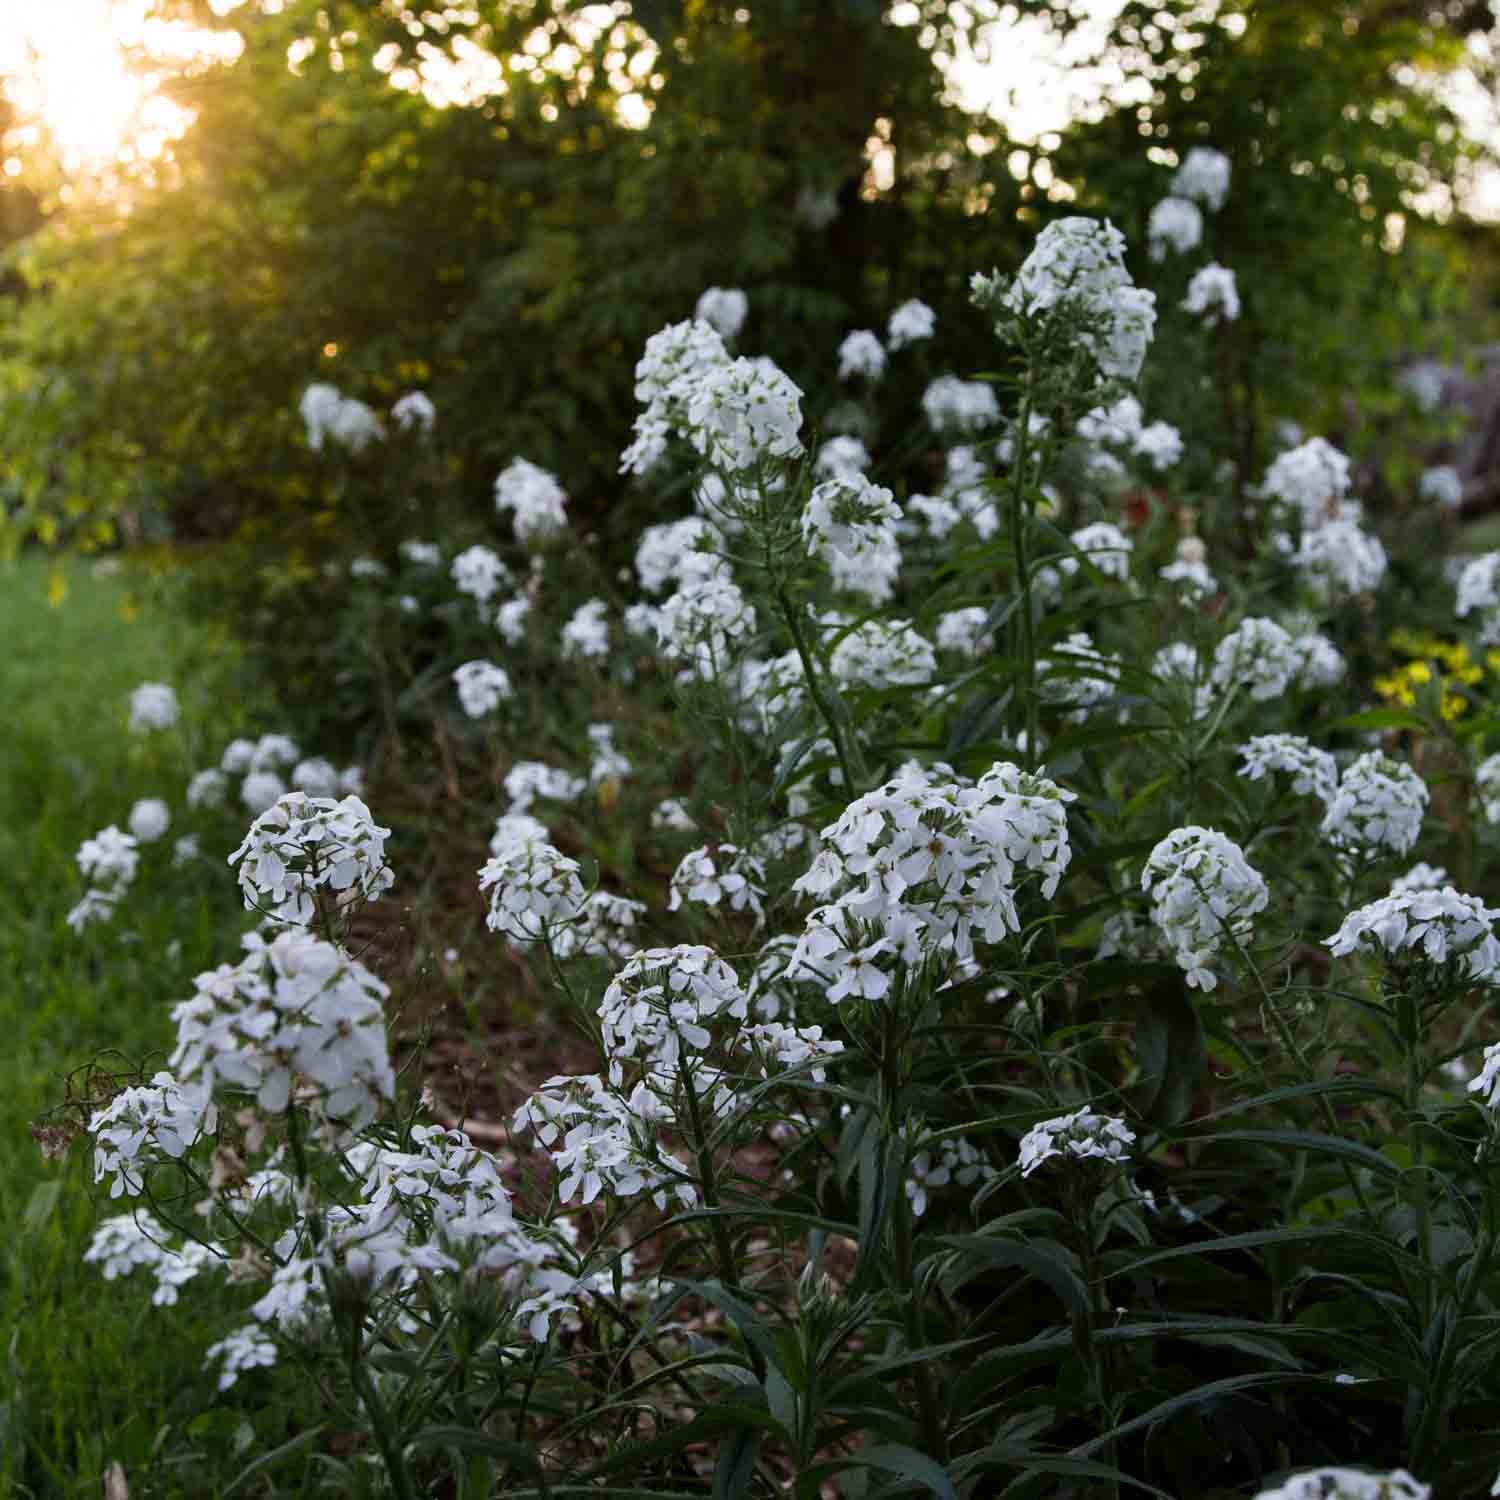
<point x="882" y="654"/>
<point x="909" y="324"/>
<point x="720" y="874"/>
<point x="1443" y="485"/>
<point x="1080" y="1136"/>
<point x="533" y="888"/>
<point x="1188" y="572"/>
<point x="840" y="456"/>
<point x="536" y="501"/>
<point x="1258" y="656"/>
<point x="1349" y="1484"/>
<point x="142" y="1126"/>
<point x="674" y="361"/>
<point x="108" y="861"/>
<point x="295" y="1019"/>
<point x="482" y="687"/>
<point x="1204" y="894"/>
<point x="962" y="407"/>
<point x="478" y="572"/>
<point x="1175" y="226"/>
<point x="1479" y="592"/>
<point x="528" y="780"/>
<point x="679" y="552"/>
<point x="705" y="623"/>
<point x="1310" y="480"/>
<point x="149" y="819"/>
<point x="1212" y="295"/>
<point x="585" y="633"/>
<point x="1434" y="926"/>
<point x="1079" y="263"/>
<point x="1377" y="808"/>
<point x="1203" y="176"/>
<point x="1077" y="676"/>
<point x="153" y="706"/>
<point x="1314" y="772"/>
<point x="328" y="413"/>
<point x="921" y="867"/>
<point x="413" y="412"/>
<point x="603" y="927"/>
<point x="301" y="846"/>
<point x="1487" y="785"/>
<point x="724" y="309"/>
<point x="126" y="1243"/>
<point x="850" y="524"/>
<point x="953" y="1161"/>
<point x="1340" y="559"/>
<point x="743" y="413"/>
<point x="963" y="631"/>
<point x="862" y="355"/>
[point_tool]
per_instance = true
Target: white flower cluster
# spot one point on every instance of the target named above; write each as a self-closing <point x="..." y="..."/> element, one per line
<point x="1314" y="772"/>
<point x="1487" y="785"/>
<point x="585" y="633"/>
<point x="1080" y="1136"/>
<point x="1257" y="655"/>
<point x="955" y="1160"/>
<point x="1203" y="177"/>
<point x="528" y="780"/>
<point x="126" y="1243"/>
<point x="922" y="866"/>
<point x="910" y="323"/>
<point x="1077" y="676"/>
<point x="108" y="862"/>
<point x="478" y="572"/>
<point x="840" y="456"/>
<point x="140" y="1126"/>
<point x="414" y="411"/>
<point x="962" y="631"/>
<point x="1176" y="226"/>
<point x="1212" y="295"/>
<point x="674" y="361"/>
<point x="533" y="888"/>
<point x="681" y="552"/>
<point x="1378" y="807"/>
<point x="704" y="624"/>
<point x="1311" y="480"/>
<point x="724" y="309"/>
<point x="1081" y="262"/>
<point x="1479" y="590"/>
<point x="153" y="706"/>
<point x="959" y="406"/>
<point x="1340" y="559"/>
<point x="604" y="927"/>
<point x="720" y="874"/>
<point x="742" y="413"/>
<point x="482" y="687"/>
<point x="1439" y="927"/>
<point x="302" y="845"/>
<point x="861" y="355"/>
<point x="295" y="1017"/>
<point x="1443" y="485"/>
<point x="882" y="654"/>
<point x="327" y="412"/>
<point x="1349" y="1484"/>
<point x="1204" y="893"/>
<point x="851" y="525"/>
<point x="536" y="501"/>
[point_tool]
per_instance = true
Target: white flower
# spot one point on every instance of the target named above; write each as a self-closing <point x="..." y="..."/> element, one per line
<point x="1487" y="785"/>
<point x="1310" y="480"/>
<point x="883" y="653"/>
<point x="1321" y="663"/>
<point x="959" y="406"/>
<point x="1191" y="579"/>
<point x="533" y="887"/>
<point x="672" y="816"/>
<point x="703" y="623"/>
<point x="940" y="515"/>
<point x="186" y="850"/>
<point x="1443" y="486"/>
<point x="511" y="828"/>
<point x="1477" y="590"/>
<point x="1438" y="926"/>
<point x="237" y="757"/>
<point x="910" y="322"/>
<point x="482" y="687"/>
<point x="421" y="554"/>
<point x="720" y="873"/>
<point x="604" y="927"/>
<point x="962" y="631"/>
<point x="1257" y="655"/>
<point x="328" y="413"/>
<point x="1176" y="224"/>
<point x="529" y="779"/>
<point x="660" y="1004"/>
<point x="1204" y="893"/>
<point x="1340" y="560"/>
<point x="316" y="776"/>
<point x="1121" y="423"/>
<point x="537" y="502"/>
<point x="149" y="819"/>
<point x="96" y="906"/>
<point x="1080" y="1136"/>
<point x="245" y="1349"/>
<point x="1160" y="445"/>
<point x="744" y="413"/>
<point x="956" y="1160"/>
<point x="861" y="354"/>
<point x="510" y="619"/>
<point x="1203" y="177"/>
<point x="586" y="633"/>
<point x="109" y="858"/>
<point x="260" y="789"/>
<point x="1077" y="675"/>
<point x="685" y="551"/>
<point x="851" y="525"/>
<point x="1421" y="877"/>
<point x="414" y="410"/>
<point x="153" y="705"/>
<point x="368" y="567"/>
<point x="1107" y="547"/>
<point x="1349" y="1484"/>
<point x="1377" y="808"/>
<point x="842" y="455"/>
<point x="140" y="1126"/>
<point x="302" y="845"/>
<point x="724" y="309"/>
<point x="1212" y="295"/>
<point x="478" y="572"/>
<point x="1314" y="772"/>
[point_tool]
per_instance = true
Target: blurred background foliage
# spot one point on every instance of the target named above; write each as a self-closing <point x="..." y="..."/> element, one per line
<point x="499" y="203"/>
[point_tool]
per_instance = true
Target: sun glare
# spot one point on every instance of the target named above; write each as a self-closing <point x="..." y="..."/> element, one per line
<point x="65" y="69"/>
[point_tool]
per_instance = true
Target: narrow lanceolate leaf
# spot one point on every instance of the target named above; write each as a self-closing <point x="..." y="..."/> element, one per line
<point x="1048" y="1261"/>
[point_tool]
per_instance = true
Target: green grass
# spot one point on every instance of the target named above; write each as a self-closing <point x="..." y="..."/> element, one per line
<point x="90" y="1372"/>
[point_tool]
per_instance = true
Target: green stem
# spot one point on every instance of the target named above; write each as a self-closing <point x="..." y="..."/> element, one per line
<point x="1027" y="627"/>
<point x="842" y="750"/>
